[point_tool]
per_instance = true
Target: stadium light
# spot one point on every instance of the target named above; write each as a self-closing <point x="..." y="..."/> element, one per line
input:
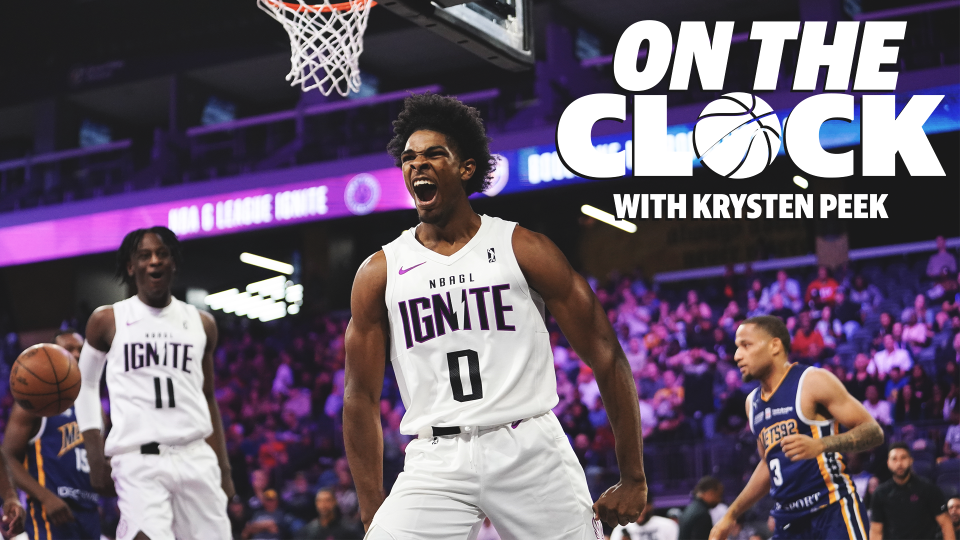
<point x="801" y="181"/>
<point x="608" y="218"/>
<point x="218" y="300"/>
<point x="264" y="262"/>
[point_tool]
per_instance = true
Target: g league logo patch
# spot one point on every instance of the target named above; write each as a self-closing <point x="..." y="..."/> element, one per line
<point x="491" y="255"/>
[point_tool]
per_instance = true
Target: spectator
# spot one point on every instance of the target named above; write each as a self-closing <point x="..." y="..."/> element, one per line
<point x="953" y="508"/>
<point x="891" y="356"/>
<point x="754" y="309"/>
<point x="668" y="402"/>
<point x="778" y="309"/>
<point x="346" y="493"/>
<point x="849" y="314"/>
<point x="327" y="525"/>
<point x="941" y="260"/>
<point x="647" y="526"/>
<point x="858" y="381"/>
<point x="298" y="501"/>
<point x="922" y="385"/>
<point x="807" y="344"/>
<point x="649" y="381"/>
<point x="698" y="406"/>
<point x="908" y="407"/>
<point x="587" y="386"/>
<point x="821" y="291"/>
<point x="867" y="296"/>
<point x="789" y="291"/>
<point x="951" y="443"/>
<point x="269" y="523"/>
<point x="829" y="328"/>
<point x="933" y="407"/>
<point x="636" y="354"/>
<point x="908" y="506"/>
<point x="895" y="383"/>
<point x="695" y="522"/>
<point x="916" y="335"/>
<point x="878" y="409"/>
<point x="237" y="513"/>
<point x="732" y="417"/>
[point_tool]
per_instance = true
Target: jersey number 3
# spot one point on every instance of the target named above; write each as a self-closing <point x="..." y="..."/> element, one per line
<point x="775" y="473"/>
<point x="473" y="369"/>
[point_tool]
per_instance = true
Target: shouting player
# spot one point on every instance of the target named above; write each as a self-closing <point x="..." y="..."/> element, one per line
<point x="457" y="305"/>
<point x="49" y="462"/>
<point x="168" y="458"/>
<point x="795" y="415"/>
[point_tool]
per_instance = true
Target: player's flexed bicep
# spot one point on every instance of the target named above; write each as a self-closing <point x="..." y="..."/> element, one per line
<point x="366" y="342"/>
<point x="824" y="395"/>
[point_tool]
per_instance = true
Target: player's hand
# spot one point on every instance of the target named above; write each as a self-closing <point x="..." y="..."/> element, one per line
<point x="721" y="530"/>
<point x="101" y="478"/>
<point x="57" y="510"/>
<point x="622" y="503"/>
<point x="797" y="447"/>
<point x="13" y="516"/>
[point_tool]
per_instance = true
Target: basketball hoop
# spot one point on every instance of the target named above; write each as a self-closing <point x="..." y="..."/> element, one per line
<point x="326" y="40"/>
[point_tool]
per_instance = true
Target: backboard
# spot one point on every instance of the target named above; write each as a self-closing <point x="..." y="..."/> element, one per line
<point x="500" y="31"/>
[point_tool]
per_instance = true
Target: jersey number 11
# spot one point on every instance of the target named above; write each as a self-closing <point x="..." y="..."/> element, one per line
<point x="170" y="399"/>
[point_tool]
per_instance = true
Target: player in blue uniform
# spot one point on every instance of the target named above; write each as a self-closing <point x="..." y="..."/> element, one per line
<point x="795" y="414"/>
<point x="49" y="463"/>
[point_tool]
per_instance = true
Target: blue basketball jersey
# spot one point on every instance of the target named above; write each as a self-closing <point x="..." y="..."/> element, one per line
<point x="800" y="487"/>
<point x="57" y="459"/>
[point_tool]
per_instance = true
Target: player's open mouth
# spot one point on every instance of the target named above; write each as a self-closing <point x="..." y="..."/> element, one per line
<point x="425" y="190"/>
<point x="155" y="275"/>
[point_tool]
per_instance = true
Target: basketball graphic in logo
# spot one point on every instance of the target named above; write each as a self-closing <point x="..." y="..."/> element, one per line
<point x="737" y="135"/>
<point x="500" y="176"/>
<point x="362" y="194"/>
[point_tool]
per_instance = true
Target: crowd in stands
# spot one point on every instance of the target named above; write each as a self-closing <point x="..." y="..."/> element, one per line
<point x="892" y="335"/>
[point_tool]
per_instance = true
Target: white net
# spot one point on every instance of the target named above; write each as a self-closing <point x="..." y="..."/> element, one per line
<point x="326" y="40"/>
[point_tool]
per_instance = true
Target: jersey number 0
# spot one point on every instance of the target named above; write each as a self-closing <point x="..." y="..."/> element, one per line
<point x="473" y="368"/>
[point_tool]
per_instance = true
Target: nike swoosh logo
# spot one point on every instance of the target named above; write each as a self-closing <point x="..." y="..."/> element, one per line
<point x="404" y="271"/>
<point x="134" y="322"/>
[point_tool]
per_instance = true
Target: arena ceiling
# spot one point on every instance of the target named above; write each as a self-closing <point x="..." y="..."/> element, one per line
<point x="117" y="58"/>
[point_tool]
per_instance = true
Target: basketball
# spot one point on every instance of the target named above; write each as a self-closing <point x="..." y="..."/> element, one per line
<point x="45" y="379"/>
<point x="737" y="135"/>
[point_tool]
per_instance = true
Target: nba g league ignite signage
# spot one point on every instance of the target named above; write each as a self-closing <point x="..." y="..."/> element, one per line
<point x="739" y="135"/>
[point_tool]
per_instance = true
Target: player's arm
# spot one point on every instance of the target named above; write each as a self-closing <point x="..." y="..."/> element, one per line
<point x="21" y="426"/>
<point x="101" y="328"/>
<point x="828" y="394"/>
<point x="13" y="513"/>
<point x="216" y="439"/>
<point x="585" y="325"/>
<point x="366" y="347"/>
<point x="876" y="530"/>
<point x="757" y="487"/>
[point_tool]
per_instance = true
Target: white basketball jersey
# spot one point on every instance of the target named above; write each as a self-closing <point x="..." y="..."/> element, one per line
<point x="155" y="376"/>
<point x="468" y="341"/>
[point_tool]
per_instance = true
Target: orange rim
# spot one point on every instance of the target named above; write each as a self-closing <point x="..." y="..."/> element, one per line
<point x="343" y="6"/>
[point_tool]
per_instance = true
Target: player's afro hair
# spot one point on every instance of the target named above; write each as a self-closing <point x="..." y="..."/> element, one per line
<point x="132" y="241"/>
<point x="460" y="123"/>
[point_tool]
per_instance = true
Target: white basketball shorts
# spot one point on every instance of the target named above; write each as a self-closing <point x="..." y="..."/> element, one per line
<point x="176" y="494"/>
<point x="526" y="479"/>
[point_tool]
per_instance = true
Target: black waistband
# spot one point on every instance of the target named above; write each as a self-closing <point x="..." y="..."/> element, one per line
<point x="441" y="431"/>
<point x="150" y="448"/>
